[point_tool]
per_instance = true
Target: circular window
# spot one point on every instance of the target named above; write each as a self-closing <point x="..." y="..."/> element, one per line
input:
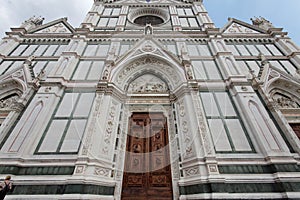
<point x="148" y="19"/>
<point x="144" y="16"/>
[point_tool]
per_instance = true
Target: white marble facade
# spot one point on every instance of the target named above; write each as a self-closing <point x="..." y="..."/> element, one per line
<point x="231" y="97"/>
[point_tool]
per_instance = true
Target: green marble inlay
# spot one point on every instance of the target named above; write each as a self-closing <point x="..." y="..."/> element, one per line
<point x="241" y="188"/>
<point x="47" y="170"/>
<point x="258" y="169"/>
<point x="63" y="189"/>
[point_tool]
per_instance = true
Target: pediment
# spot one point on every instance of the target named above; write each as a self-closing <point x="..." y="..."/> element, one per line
<point x="13" y="79"/>
<point x="273" y="77"/>
<point x="148" y="46"/>
<point x="149" y="2"/>
<point x="235" y="26"/>
<point x="147" y="56"/>
<point x="60" y="26"/>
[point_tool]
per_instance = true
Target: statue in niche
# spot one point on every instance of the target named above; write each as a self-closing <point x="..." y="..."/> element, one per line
<point x="147" y="84"/>
<point x="148" y="29"/>
<point x="285" y="102"/>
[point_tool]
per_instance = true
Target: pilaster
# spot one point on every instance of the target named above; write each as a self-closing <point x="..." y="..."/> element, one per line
<point x="264" y="134"/>
<point x="289" y="48"/>
<point x="96" y="156"/>
<point x="203" y="16"/>
<point x="122" y="18"/>
<point x="225" y="59"/>
<point x="65" y="66"/>
<point x="175" y="19"/>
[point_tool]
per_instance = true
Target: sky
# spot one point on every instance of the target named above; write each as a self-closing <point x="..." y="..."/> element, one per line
<point x="282" y="15"/>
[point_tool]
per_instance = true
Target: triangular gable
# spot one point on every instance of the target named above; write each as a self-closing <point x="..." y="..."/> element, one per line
<point x="270" y="73"/>
<point x="235" y="26"/>
<point x="150" y="2"/>
<point x="149" y="53"/>
<point x="60" y="26"/>
<point x="148" y="46"/>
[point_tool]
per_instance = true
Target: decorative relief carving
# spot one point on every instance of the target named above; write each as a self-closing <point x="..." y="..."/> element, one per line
<point x="32" y="22"/>
<point x="261" y="22"/>
<point x="5" y="104"/>
<point x="175" y="171"/>
<point x="155" y="65"/>
<point x="148" y="47"/>
<point x="147" y="83"/>
<point x="237" y="28"/>
<point x="202" y="126"/>
<point x="181" y="109"/>
<point x="93" y="123"/>
<point x="101" y="171"/>
<point x="11" y="104"/>
<point x="192" y="171"/>
<point x="188" y="142"/>
<point x="109" y="127"/>
<point x="79" y="169"/>
<point x="285" y="102"/>
<point x="213" y="168"/>
<point x="189" y="72"/>
<point x="58" y="28"/>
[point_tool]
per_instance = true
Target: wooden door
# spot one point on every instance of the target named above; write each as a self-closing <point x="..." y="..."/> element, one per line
<point x="296" y="128"/>
<point x="147" y="170"/>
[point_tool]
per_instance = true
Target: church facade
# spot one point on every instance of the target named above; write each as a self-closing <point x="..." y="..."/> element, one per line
<point x="149" y="100"/>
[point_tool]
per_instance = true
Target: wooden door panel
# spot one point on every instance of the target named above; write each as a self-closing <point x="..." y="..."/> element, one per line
<point x="296" y="128"/>
<point x="147" y="172"/>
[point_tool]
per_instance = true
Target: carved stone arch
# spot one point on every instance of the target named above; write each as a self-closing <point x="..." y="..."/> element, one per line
<point x="284" y="93"/>
<point x="285" y="87"/>
<point x="12" y="86"/>
<point x="12" y="98"/>
<point x="284" y="99"/>
<point x="172" y="75"/>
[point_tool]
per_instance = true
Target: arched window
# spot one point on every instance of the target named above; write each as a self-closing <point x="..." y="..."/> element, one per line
<point x="148" y="19"/>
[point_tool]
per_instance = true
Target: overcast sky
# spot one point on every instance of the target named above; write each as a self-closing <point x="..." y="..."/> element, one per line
<point x="283" y="14"/>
